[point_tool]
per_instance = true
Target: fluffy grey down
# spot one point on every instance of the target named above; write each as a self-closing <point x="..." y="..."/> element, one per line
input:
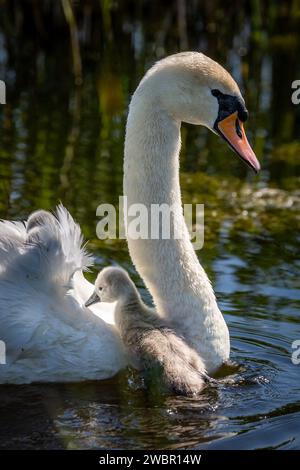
<point x="152" y="345"/>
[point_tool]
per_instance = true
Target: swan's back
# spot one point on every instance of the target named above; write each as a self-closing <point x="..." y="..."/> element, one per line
<point x="49" y="334"/>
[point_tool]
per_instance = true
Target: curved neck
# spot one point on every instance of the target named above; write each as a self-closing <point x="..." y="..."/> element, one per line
<point x="170" y="268"/>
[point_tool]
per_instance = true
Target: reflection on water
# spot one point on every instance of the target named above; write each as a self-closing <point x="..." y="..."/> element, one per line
<point x="65" y="142"/>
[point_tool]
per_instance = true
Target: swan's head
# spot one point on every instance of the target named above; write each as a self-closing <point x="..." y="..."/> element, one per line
<point x="111" y="285"/>
<point x="195" y="89"/>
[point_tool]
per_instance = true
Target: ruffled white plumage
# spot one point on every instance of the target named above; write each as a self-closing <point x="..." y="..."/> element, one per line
<point x="49" y="334"/>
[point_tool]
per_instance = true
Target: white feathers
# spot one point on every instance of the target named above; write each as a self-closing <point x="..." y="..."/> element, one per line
<point x="49" y="334"/>
<point x="47" y="247"/>
<point x="75" y="254"/>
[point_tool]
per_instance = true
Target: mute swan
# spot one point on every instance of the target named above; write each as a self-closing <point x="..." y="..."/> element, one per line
<point x="49" y="334"/>
<point x="192" y="88"/>
<point x="151" y="344"/>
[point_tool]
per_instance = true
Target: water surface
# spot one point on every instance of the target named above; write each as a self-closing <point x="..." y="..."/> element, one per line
<point x="61" y="142"/>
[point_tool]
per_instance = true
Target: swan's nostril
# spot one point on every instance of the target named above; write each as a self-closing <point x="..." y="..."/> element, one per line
<point x="238" y="128"/>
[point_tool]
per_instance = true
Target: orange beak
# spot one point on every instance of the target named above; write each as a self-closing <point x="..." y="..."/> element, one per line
<point x="232" y="130"/>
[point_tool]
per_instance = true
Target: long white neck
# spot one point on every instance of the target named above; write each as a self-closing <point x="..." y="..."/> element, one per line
<point x="170" y="268"/>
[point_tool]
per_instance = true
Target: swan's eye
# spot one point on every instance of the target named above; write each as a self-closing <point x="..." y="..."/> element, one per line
<point x="100" y="288"/>
<point x="216" y="93"/>
<point x="229" y="104"/>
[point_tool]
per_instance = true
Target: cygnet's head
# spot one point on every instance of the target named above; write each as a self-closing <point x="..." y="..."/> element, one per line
<point x="111" y="285"/>
<point x="193" y="88"/>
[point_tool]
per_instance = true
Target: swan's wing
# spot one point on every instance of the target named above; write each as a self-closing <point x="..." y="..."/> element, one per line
<point x="12" y="231"/>
<point x="46" y="246"/>
<point x="58" y="242"/>
<point x="52" y="339"/>
<point x="71" y="239"/>
<point x="12" y="237"/>
<point x="36" y="267"/>
<point x="48" y="332"/>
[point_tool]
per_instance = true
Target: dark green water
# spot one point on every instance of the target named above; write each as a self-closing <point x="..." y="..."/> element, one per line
<point x="61" y="142"/>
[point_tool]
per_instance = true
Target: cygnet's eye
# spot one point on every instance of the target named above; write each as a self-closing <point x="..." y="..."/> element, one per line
<point x="100" y="288"/>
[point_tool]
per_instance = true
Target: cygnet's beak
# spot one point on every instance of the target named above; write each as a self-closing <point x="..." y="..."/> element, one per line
<point x="92" y="300"/>
<point x="232" y="130"/>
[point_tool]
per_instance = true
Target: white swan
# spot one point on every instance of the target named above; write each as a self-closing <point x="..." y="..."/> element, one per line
<point x="192" y="88"/>
<point x="50" y="335"/>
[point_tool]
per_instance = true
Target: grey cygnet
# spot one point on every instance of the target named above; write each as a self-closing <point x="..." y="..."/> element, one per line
<point x="151" y="344"/>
